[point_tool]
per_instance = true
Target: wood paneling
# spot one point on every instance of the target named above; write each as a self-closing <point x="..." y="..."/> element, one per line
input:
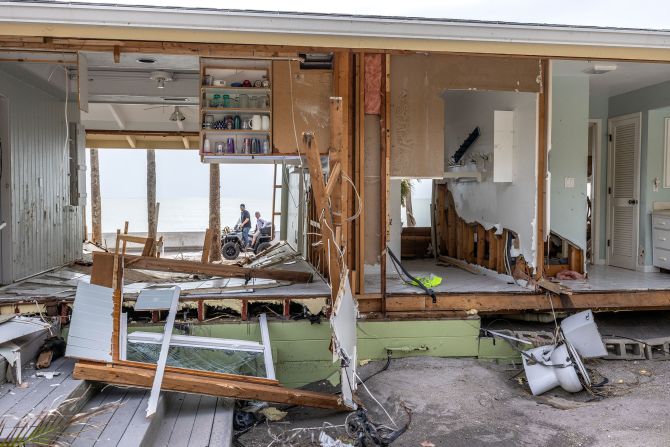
<point x="303" y="96"/>
<point x="46" y="231"/>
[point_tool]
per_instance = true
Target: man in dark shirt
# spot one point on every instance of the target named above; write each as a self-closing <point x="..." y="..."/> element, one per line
<point x="245" y="224"/>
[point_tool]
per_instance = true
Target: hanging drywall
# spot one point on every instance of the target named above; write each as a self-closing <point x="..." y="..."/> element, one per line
<point x="300" y="103"/>
<point x="511" y="205"/>
<point x="568" y="157"/>
<point x="417" y="111"/>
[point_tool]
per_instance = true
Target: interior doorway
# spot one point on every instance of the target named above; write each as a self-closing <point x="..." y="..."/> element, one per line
<point x="624" y="191"/>
<point x="5" y="210"/>
<point x="593" y="192"/>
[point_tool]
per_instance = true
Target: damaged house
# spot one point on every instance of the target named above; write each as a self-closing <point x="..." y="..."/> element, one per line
<point x="546" y="151"/>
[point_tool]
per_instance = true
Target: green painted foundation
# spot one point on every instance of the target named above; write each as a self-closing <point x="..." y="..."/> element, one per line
<point x="301" y="350"/>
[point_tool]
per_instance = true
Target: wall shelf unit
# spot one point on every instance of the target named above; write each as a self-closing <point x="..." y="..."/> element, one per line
<point x="235" y="120"/>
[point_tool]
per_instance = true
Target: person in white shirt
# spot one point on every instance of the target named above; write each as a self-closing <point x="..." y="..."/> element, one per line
<point x="260" y="224"/>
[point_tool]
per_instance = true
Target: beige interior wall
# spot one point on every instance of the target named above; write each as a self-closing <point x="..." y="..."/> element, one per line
<point x="306" y="99"/>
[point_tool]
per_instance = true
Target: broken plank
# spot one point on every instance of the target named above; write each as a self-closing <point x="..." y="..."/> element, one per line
<point x="195" y="267"/>
<point x="198" y="373"/>
<point x="333" y="177"/>
<point x="553" y="287"/>
<point x="458" y="263"/>
<point x="189" y="383"/>
<point x="481" y="244"/>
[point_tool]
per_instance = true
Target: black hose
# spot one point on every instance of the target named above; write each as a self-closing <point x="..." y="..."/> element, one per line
<point x="412" y="279"/>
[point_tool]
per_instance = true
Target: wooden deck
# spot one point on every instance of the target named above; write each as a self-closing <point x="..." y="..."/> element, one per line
<point x="181" y="420"/>
<point x="37" y="394"/>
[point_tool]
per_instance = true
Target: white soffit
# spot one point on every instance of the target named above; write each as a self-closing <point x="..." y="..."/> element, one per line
<point x="208" y="19"/>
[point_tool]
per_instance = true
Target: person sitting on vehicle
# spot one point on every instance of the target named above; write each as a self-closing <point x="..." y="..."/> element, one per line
<point x="260" y="224"/>
<point x="244" y="225"/>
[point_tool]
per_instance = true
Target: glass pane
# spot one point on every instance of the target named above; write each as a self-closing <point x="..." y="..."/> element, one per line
<point x="204" y="359"/>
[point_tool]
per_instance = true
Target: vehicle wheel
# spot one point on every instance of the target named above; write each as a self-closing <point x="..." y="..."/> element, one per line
<point x="231" y="250"/>
<point x="262" y="247"/>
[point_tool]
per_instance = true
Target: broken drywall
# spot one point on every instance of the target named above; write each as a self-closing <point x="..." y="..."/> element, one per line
<point x="417" y="111"/>
<point x="503" y="205"/>
<point x="568" y="157"/>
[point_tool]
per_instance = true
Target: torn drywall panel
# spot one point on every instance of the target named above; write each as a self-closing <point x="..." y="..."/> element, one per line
<point x="510" y="205"/>
<point x="569" y="157"/>
<point x="417" y="114"/>
<point x="343" y="323"/>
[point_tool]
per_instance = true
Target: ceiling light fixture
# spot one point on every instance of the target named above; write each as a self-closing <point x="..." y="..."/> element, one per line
<point x="600" y="69"/>
<point x="177" y="115"/>
<point x="161" y="77"/>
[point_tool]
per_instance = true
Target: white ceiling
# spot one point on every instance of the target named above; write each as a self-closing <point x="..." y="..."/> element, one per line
<point x="627" y="77"/>
<point x="129" y="62"/>
<point x="139" y="117"/>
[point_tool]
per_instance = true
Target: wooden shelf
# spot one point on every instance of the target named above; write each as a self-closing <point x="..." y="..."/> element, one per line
<point x="249" y="158"/>
<point x="237" y="131"/>
<point x="233" y="109"/>
<point x="231" y="70"/>
<point x="210" y="88"/>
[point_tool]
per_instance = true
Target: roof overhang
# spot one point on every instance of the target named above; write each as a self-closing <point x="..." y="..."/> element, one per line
<point x="96" y="21"/>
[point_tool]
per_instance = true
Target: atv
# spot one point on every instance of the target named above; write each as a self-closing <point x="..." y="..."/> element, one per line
<point x="231" y="242"/>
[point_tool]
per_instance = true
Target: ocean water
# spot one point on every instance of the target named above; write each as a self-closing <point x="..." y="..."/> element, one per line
<point x="175" y="214"/>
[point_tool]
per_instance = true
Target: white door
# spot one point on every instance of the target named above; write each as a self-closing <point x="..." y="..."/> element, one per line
<point x="624" y="191"/>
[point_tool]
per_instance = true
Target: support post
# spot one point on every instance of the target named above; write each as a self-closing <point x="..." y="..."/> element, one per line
<point x="385" y="170"/>
<point x="542" y="153"/>
<point x="152" y="224"/>
<point x="215" y="211"/>
<point x="96" y="209"/>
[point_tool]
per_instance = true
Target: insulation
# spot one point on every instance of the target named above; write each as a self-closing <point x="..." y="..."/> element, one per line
<point x="373" y="84"/>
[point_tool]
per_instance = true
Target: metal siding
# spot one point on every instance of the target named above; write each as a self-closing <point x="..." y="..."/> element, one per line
<point x="46" y="231"/>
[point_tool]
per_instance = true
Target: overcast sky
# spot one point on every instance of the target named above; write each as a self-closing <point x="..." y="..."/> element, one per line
<point x="619" y="13"/>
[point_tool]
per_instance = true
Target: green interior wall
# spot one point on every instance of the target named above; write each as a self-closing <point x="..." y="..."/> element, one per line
<point x="568" y="156"/>
<point x="301" y="350"/>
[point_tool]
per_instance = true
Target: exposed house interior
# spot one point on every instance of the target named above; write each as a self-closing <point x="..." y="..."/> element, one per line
<point x="483" y="204"/>
<point x="609" y="115"/>
<point x="426" y="184"/>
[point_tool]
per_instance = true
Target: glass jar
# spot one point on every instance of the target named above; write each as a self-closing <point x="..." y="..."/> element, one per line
<point x="215" y="101"/>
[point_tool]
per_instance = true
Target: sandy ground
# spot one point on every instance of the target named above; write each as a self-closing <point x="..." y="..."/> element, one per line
<point x="465" y="402"/>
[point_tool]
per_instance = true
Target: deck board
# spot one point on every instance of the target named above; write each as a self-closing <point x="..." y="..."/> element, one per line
<point x="185" y="421"/>
<point x="37" y="394"/>
<point x="222" y="428"/>
<point x="122" y="417"/>
<point x="173" y="403"/>
<point x="203" y="422"/>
